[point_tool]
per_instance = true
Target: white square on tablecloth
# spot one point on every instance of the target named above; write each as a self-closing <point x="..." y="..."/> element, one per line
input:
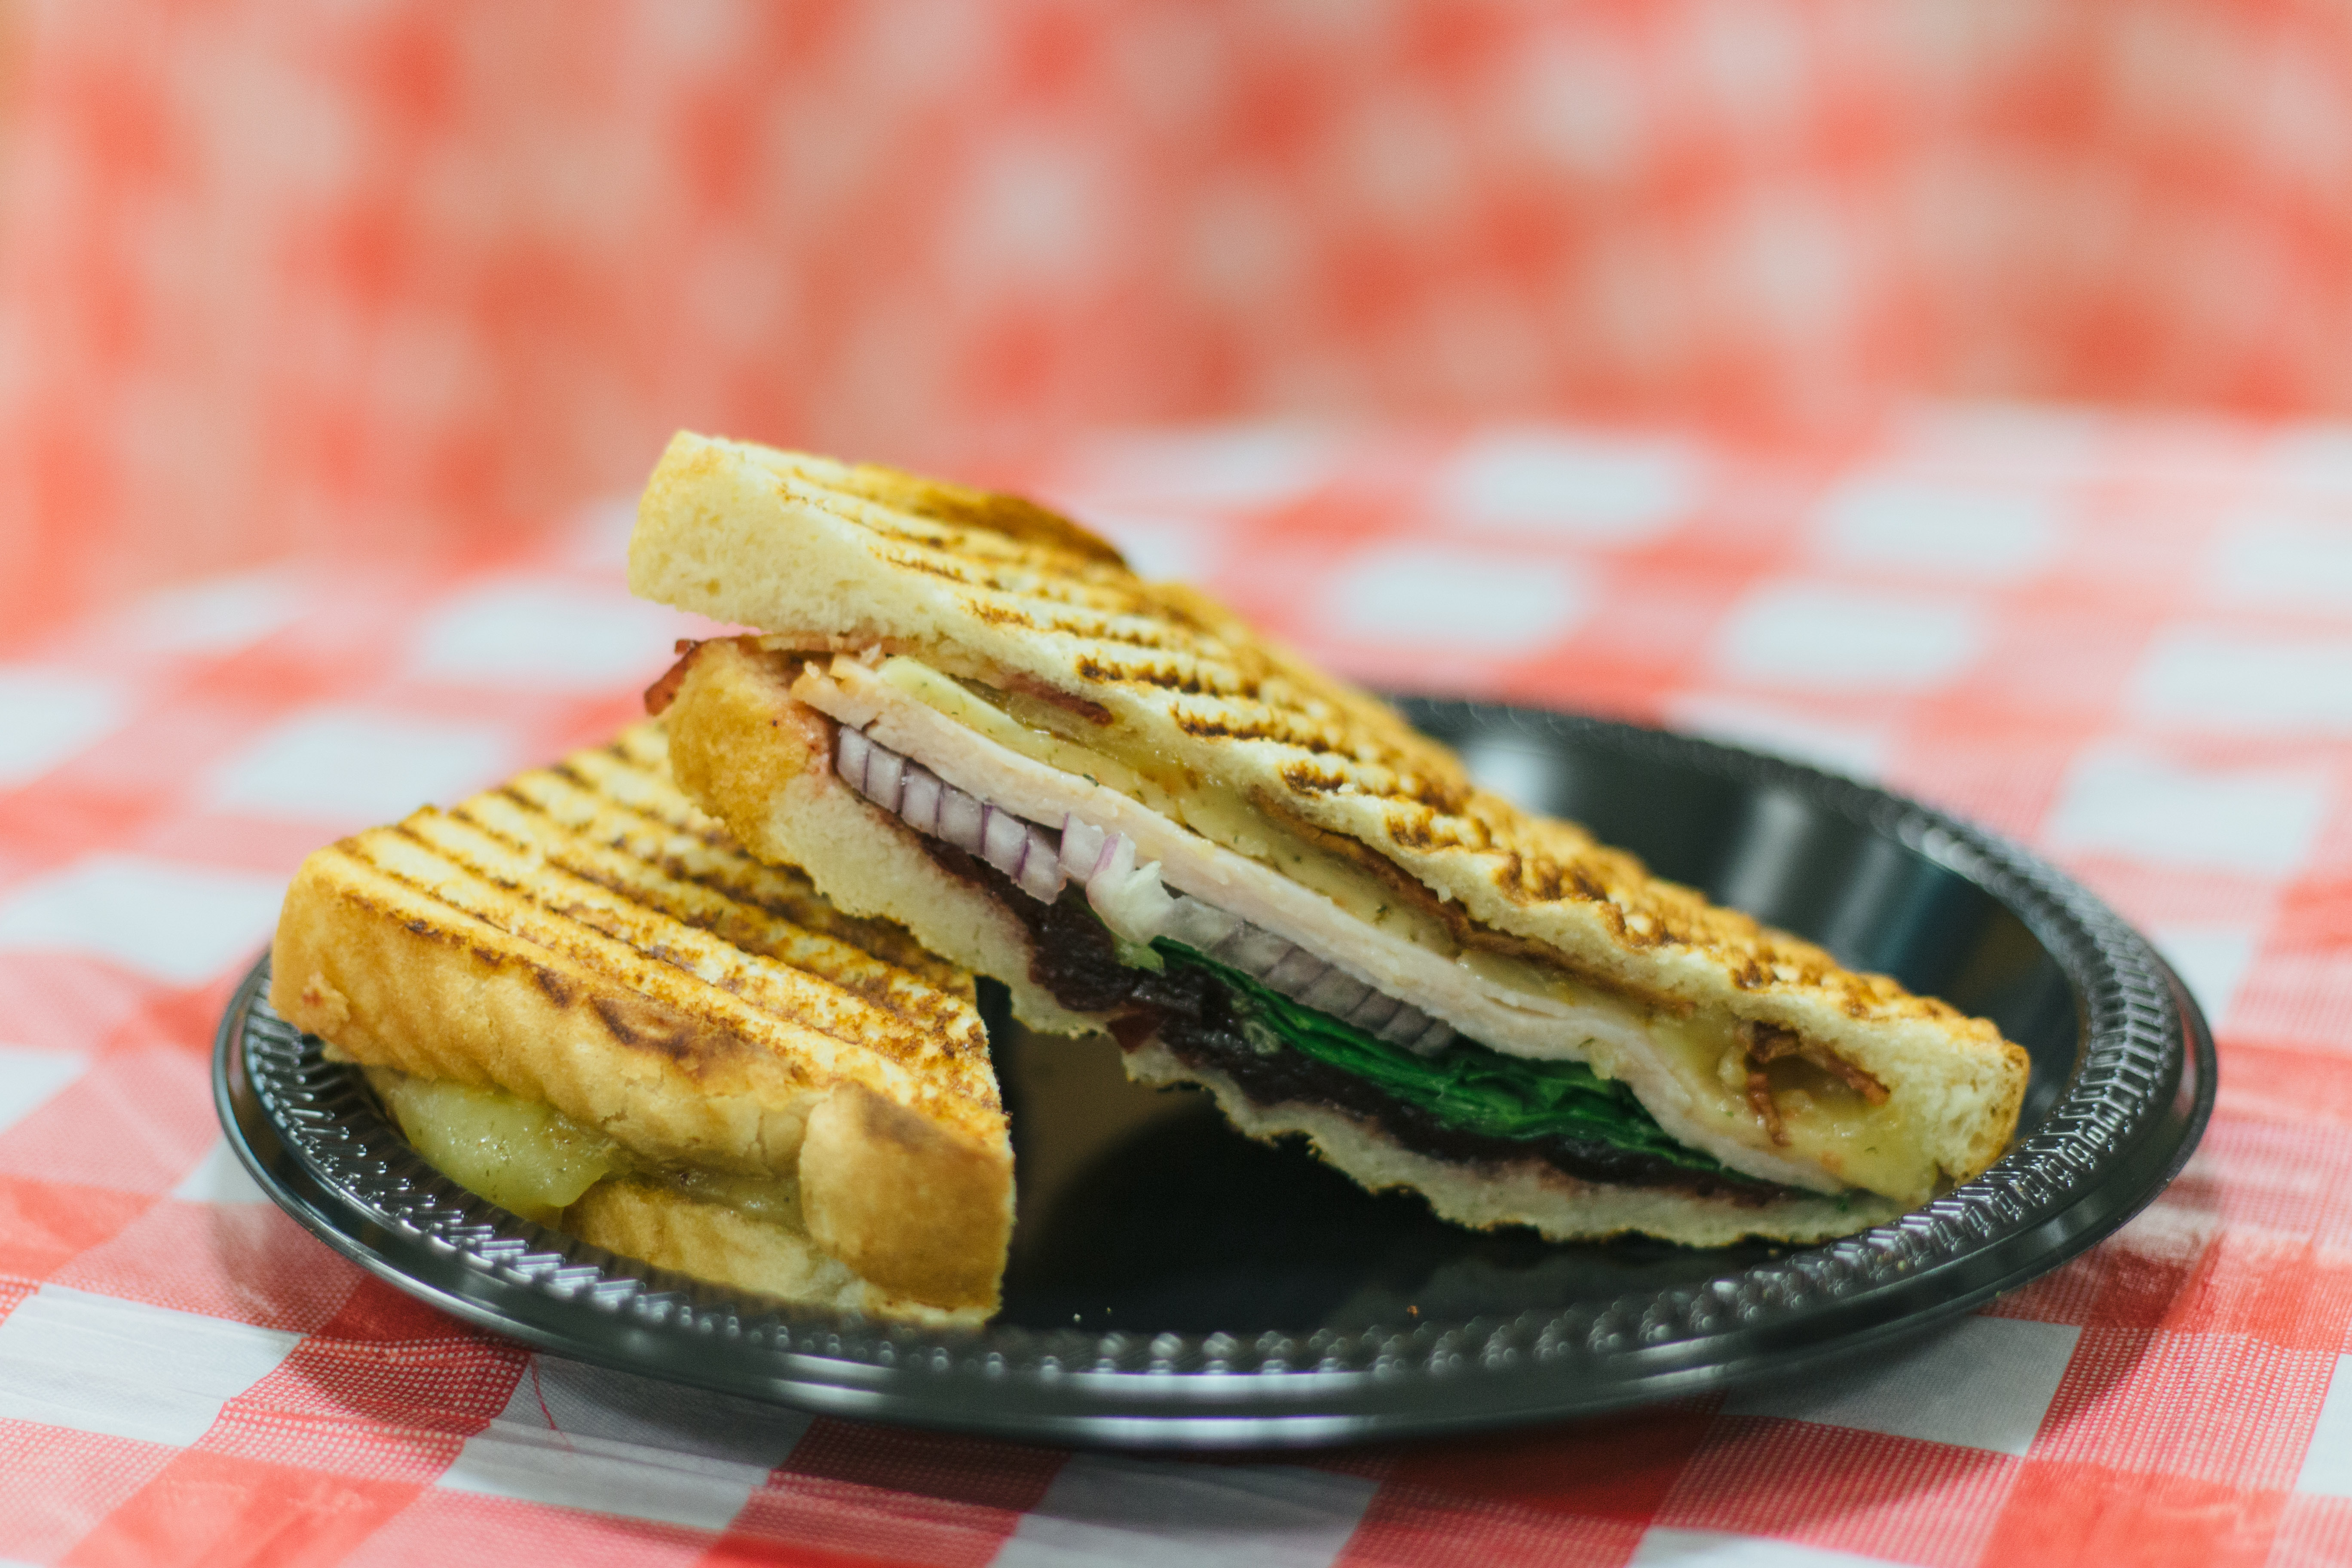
<point x="545" y="634"/>
<point x="1464" y="603"/>
<point x="2310" y="460"/>
<point x="218" y="1178"/>
<point x="215" y="615"/>
<point x="47" y="715"/>
<point x="31" y="1076"/>
<point x="1662" y="1548"/>
<point x="1857" y="751"/>
<point x="1146" y="1512"/>
<point x="125" y="1369"/>
<point x="2283" y="561"/>
<point x="357" y="765"/>
<point x="600" y="534"/>
<point x="1985" y="1383"/>
<point x="2327" y="1462"/>
<point x="169" y="921"/>
<point x="1943" y="527"/>
<point x="2127" y="800"/>
<point x="1204" y="465"/>
<point x="1558" y="485"/>
<point x="2211" y="960"/>
<point x="1833" y="638"/>
<point x="586" y="1437"/>
<point x="2244" y="684"/>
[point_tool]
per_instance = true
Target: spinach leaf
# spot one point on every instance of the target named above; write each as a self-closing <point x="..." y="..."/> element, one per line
<point x="1464" y="1084"/>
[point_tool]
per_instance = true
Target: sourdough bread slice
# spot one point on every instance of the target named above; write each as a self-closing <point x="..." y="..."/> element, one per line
<point x="584" y="937"/>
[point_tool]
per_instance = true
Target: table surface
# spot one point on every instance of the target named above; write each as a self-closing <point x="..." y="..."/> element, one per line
<point x="2125" y="640"/>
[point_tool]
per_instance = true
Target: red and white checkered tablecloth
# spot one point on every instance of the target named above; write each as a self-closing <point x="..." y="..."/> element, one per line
<point x="2125" y="640"/>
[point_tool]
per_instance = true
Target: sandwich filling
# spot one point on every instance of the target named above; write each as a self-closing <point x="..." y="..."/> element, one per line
<point x="1297" y="970"/>
<point x="531" y="1158"/>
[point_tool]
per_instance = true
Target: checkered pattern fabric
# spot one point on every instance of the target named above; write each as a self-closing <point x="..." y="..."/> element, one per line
<point x="274" y="273"/>
<point x="2128" y="641"/>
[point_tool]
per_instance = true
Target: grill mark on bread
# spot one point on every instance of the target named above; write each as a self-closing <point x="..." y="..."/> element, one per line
<point x="1000" y="615"/>
<point x="648" y="1025"/>
<point x="771" y="931"/>
<point x="552" y="985"/>
<point x="1317" y="741"/>
<point x="1465" y="931"/>
<point x="694" y="1029"/>
<point x="806" y="996"/>
<point x="1189" y="679"/>
<point x="1017" y="519"/>
<point x="695" y="851"/>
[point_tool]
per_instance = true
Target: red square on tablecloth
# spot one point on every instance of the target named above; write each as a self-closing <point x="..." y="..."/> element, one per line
<point x="61" y="1483"/>
<point x="210" y="1507"/>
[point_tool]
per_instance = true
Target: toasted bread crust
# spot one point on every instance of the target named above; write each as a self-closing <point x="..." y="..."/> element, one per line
<point x="868" y="1163"/>
<point x="711" y="1241"/>
<point x="789" y="544"/>
<point x="583" y="938"/>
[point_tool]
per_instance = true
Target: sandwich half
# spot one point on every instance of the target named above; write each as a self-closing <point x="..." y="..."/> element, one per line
<point x="967" y="714"/>
<point x="580" y="1001"/>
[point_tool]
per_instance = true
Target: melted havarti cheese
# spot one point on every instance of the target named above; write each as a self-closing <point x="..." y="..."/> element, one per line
<point x="520" y="1155"/>
<point x="528" y="1157"/>
<point x="1822" y="1118"/>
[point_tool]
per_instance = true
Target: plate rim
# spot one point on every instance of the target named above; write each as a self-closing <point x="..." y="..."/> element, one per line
<point x="2052" y="1196"/>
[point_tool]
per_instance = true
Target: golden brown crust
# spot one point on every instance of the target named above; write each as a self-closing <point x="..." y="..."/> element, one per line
<point x="1014" y="517"/>
<point x="778" y="540"/>
<point x="867" y="1164"/>
<point x="583" y="938"/>
<point x="390" y="976"/>
<point x="712" y="1241"/>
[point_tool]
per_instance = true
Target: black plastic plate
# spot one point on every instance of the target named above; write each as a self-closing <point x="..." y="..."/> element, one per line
<point x="1174" y="1285"/>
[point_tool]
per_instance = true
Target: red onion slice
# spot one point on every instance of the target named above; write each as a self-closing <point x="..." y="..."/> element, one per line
<point x="1252" y="950"/>
<point x="1004" y="840"/>
<point x="1129" y="897"/>
<point x="1433" y="1039"/>
<point x="962" y="820"/>
<point x="1202" y="927"/>
<point x="919" y="803"/>
<point x="1041" y="868"/>
<point x="1336" y="993"/>
<point x="884" y="771"/>
<point x="1083" y="846"/>
<point x="850" y="754"/>
<point x="1375" y="1010"/>
<point x="1296" y="974"/>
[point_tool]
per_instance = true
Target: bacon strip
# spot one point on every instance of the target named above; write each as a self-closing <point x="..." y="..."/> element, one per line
<point x="1767" y="1043"/>
<point x="663" y="692"/>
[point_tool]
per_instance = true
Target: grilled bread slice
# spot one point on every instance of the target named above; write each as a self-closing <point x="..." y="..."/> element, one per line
<point x="1040" y="677"/>
<point x="575" y="992"/>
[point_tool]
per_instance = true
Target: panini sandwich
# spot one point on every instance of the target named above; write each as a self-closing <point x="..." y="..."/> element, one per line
<point x="580" y="1001"/>
<point x="965" y="713"/>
